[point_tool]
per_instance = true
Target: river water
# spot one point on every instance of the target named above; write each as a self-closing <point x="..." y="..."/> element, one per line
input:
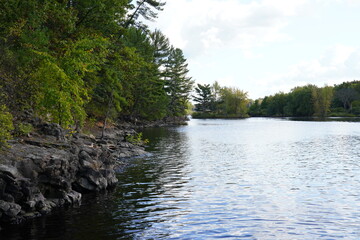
<point x="256" y="178"/>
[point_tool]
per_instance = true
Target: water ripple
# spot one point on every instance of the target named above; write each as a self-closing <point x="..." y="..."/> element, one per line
<point x="217" y="179"/>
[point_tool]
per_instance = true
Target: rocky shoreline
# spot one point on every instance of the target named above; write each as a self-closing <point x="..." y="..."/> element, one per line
<point x="50" y="169"/>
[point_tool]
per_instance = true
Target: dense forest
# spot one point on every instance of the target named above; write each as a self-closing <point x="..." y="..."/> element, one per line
<point x="311" y="101"/>
<point x="69" y="61"/>
<point x="214" y="101"/>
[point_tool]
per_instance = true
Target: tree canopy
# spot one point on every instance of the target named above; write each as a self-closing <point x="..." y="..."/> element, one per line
<point x="310" y="100"/>
<point x="71" y="60"/>
<point x="220" y="102"/>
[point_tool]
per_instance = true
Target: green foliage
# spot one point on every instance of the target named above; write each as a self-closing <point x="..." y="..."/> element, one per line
<point x="137" y="139"/>
<point x="70" y="59"/>
<point x="220" y="102"/>
<point x="276" y="105"/>
<point x="340" y="112"/>
<point x="161" y="46"/>
<point x="6" y="126"/>
<point x="104" y="16"/>
<point x="189" y="108"/>
<point x="346" y="96"/>
<point x="22" y="129"/>
<point x="300" y="102"/>
<point x="62" y="92"/>
<point x="233" y="102"/>
<point x="310" y="100"/>
<point x="322" y="98"/>
<point x="204" y="98"/>
<point x="142" y="85"/>
<point x="144" y="8"/>
<point x="108" y="97"/>
<point x="178" y="85"/>
<point x="356" y="107"/>
<point x="255" y="108"/>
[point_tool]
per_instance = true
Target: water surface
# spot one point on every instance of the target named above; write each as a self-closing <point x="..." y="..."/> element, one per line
<point x="233" y="179"/>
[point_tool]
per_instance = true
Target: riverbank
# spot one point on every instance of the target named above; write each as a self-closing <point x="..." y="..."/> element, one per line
<point x="52" y="168"/>
<point x="49" y="169"/>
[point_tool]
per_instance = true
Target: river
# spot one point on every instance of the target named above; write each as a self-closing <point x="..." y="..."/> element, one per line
<point x="255" y="178"/>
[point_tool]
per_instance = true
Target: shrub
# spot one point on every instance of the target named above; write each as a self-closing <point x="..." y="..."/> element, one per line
<point x="23" y="129"/>
<point x="137" y="139"/>
<point x="6" y="126"/>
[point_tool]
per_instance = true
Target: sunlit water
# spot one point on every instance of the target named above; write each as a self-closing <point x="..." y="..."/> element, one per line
<point x="232" y="179"/>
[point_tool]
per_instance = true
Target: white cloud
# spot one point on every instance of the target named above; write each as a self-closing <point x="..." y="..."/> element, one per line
<point x="254" y="44"/>
<point x="199" y="25"/>
<point x="227" y="81"/>
<point x="338" y="64"/>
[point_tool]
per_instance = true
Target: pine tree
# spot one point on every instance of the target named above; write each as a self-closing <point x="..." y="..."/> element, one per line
<point x="178" y="84"/>
<point x="148" y="98"/>
<point x="204" y="97"/>
<point x="144" y="8"/>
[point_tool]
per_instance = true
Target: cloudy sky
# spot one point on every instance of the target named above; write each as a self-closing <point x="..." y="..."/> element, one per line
<point x="266" y="46"/>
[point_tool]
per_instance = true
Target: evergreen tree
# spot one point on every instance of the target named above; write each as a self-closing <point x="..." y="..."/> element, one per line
<point x="161" y="45"/>
<point x="148" y="97"/>
<point x="204" y="97"/>
<point x="144" y="8"/>
<point x="178" y="84"/>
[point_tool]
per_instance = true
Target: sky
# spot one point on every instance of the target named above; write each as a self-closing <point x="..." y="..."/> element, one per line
<point x="266" y="46"/>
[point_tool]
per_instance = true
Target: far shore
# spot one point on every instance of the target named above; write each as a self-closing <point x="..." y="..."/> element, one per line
<point x="314" y="118"/>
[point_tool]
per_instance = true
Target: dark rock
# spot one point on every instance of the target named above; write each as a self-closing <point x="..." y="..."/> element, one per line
<point x="29" y="169"/>
<point x="84" y="185"/>
<point x="52" y="129"/>
<point x="84" y="156"/>
<point x="101" y="141"/>
<point x="10" y="210"/>
<point x="74" y="149"/>
<point x="8" y="198"/>
<point x="110" y="176"/>
<point x="74" y="196"/>
<point x="2" y="187"/>
<point x="29" y="205"/>
<point x="4" y="206"/>
<point x="11" y="172"/>
<point x="30" y="215"/>
<point x="45" y="171"/>
<point x="40" y="205"/>
<point x="90" y="150"/>
<point x="14" y="210"/>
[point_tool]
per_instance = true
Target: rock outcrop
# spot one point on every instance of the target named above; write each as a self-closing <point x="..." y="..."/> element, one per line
<point x="166" y="122"/>
<point x="50" y="170"/>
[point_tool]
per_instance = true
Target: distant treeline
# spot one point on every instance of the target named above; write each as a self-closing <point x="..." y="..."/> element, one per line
<point x="214" y="101"/>
<point x="69" y="61"/>
<point x="310" y="100"/>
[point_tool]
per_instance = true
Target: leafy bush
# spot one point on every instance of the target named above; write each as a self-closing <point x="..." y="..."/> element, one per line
<point x="137" y="139"/>
<point x="22" y="129"/>
<point x="6" y="126"/>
